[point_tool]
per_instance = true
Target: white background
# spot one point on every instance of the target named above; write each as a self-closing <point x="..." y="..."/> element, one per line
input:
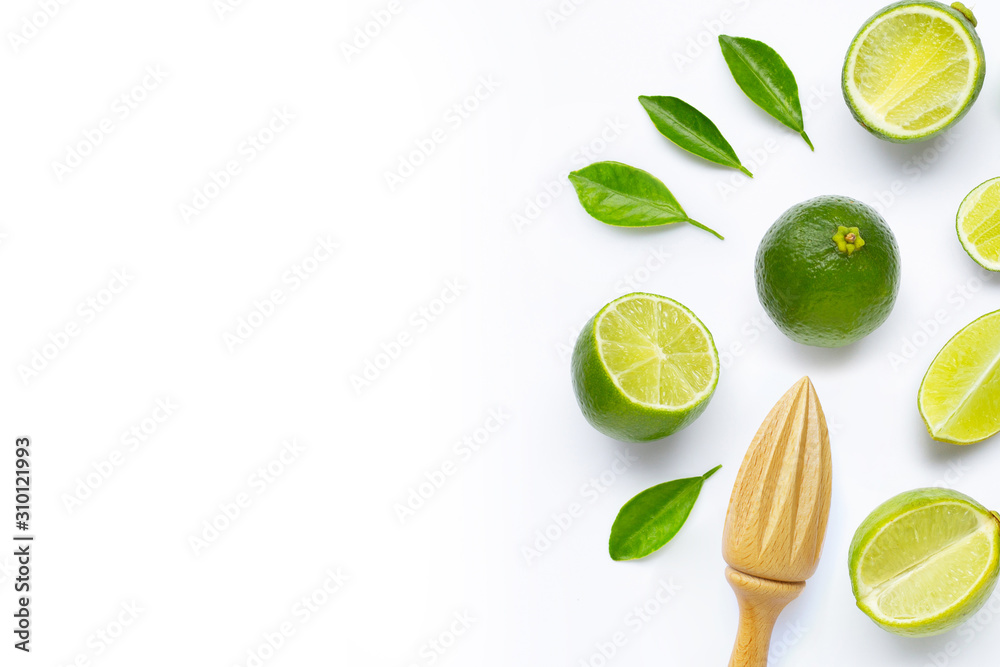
<point x="502" y="344"/>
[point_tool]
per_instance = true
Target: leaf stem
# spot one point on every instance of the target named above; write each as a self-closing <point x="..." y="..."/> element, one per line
<point x="745" y="171"/>
<point x="707" y="229"/>
<point x="711" y="472"/>
<point x="806" y="137"/>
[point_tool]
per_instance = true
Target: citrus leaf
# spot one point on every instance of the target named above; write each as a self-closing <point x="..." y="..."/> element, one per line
<point x="766" y="79"/>
<point x="623" y="196"/>
<point x="691" y="130"/>
<point x="653" y="517"/>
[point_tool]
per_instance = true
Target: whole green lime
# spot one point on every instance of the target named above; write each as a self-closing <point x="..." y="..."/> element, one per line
<point x="828" y="271"/>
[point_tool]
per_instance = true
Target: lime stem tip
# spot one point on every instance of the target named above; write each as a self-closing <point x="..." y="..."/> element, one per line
<point x="707" y="229"/>
<point x="810" y="143"/>
<point x="966" y="12"/>
<point x="848" y="240"/>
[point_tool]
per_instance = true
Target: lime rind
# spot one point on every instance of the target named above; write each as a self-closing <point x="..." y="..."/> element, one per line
<point x="958" y="357"/>
<point x="947" y="532"/>
<point x="975" y="247"/>
<point x="935" y="116"/>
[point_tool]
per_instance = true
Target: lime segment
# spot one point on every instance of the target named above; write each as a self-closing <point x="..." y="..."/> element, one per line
<point x="924" y="561"/>
<point x="959" y="397"/>
<point x="979" y="224"/>
<point x="913" y="69"/>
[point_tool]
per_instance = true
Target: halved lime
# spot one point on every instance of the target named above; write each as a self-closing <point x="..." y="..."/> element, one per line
<point x="913" y="69"/>
<point x="979" y="224"/>
<point x="644" y="367"/>
<point x="959" y="398"/>
<point x="925" y="561"/>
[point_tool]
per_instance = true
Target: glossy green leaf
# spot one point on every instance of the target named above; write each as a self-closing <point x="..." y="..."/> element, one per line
<point x="691" y="130"/>
<point x="620" y="195"/>
<point x="766" y="79"/>
<point x="653" y="517"/>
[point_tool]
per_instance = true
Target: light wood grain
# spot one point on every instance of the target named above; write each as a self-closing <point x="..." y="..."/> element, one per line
<point x="761" y="601"/>
<point x="777" y="516"/>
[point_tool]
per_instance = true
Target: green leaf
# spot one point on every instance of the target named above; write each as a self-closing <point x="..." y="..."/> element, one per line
<point x="653" y="517"/>
<point x="691" y="130"/>
<point x="765" y="78"/>
<point x="620" y="195"/>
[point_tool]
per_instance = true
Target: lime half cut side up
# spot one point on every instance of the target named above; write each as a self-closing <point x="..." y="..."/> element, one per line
<point x="925" y="561"/>
<point x="959" y="397"/>
<point x="644" y="367"/>
<point x="979" y="224"/>
<point x="914" y="69"/>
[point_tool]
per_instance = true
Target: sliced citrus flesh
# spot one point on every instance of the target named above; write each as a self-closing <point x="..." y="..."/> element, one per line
<point x="913" y="69"/>
<point x="657" y="351"/>
<point x="979" y="224"/>
<point x="959" y="397"/>
<point x="924" y="561"/>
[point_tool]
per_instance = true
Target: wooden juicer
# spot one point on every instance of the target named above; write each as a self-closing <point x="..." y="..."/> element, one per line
<point x="777" y="517"/>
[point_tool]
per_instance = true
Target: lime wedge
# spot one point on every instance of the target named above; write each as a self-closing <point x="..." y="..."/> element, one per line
<point x="644" y="367"/>
<point x="979" y="224"/>
<point x="924" y="561"/>
<point x="959" y="398"/>
<point x="914" y="69"/>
